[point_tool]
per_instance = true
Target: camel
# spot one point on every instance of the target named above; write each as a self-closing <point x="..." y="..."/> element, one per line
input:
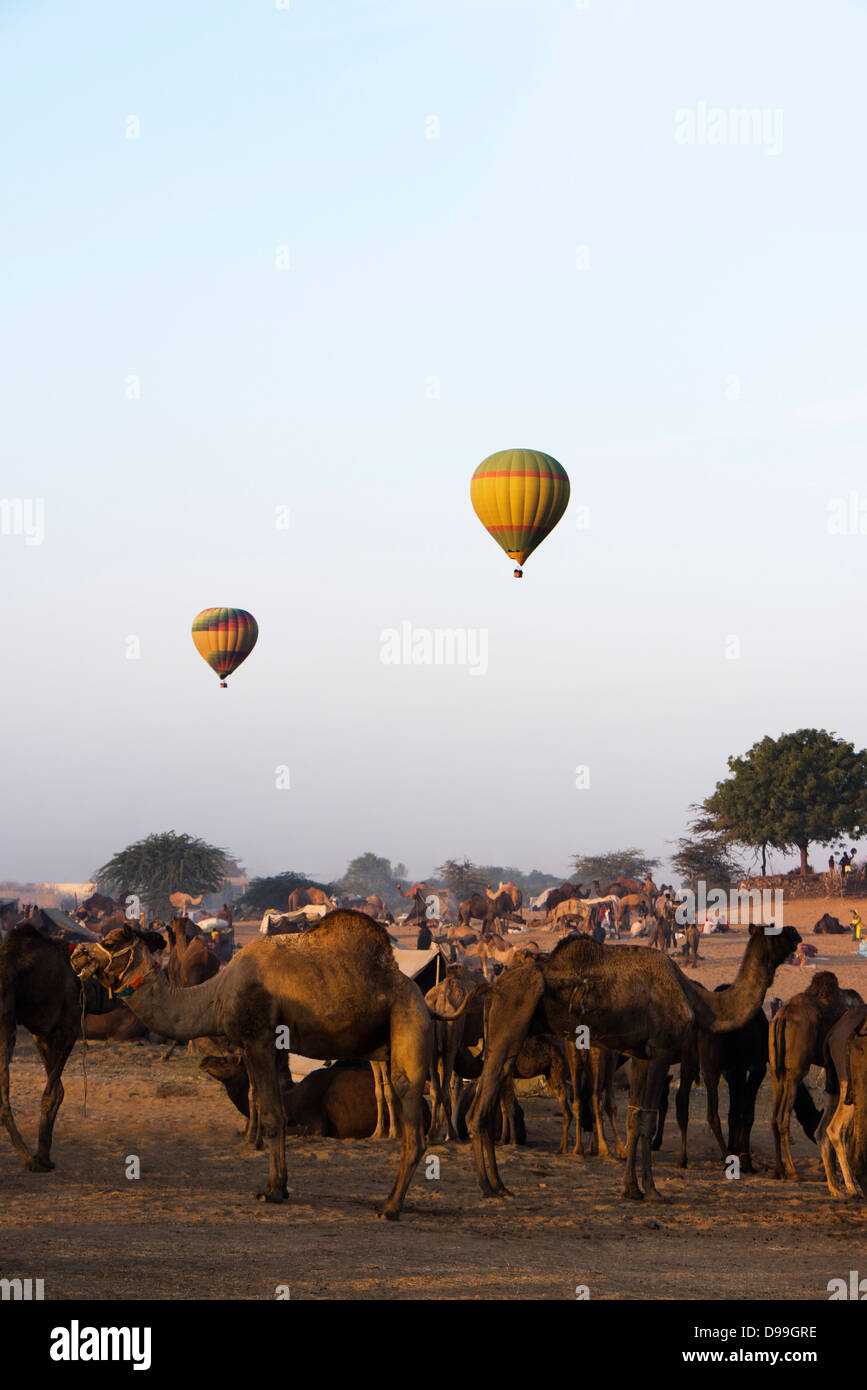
<point x="338" y="990"/>
<point x="741" y="1057"/>
<point x="795" y="1043"/>
<point x="118" y="1025"/>
<point x="689" y="949"/>
<point x="512" y="892"/>
<point x="632" y="1000"/>
<point x="559" y="895"/>
<point x="591" y="1072"/>
<point x="182" y="902"/>
<point x="628" y="903"/>
<point x="546" y="1057"/>
<point x="307" y="897"/>
<point x="856" y="1096"/>
<point x="829" y="926"/>
<point x="836" y="1127"/>
<point x="39" y="991"/>
<point x="191" y="960"/>
<point x="451" y="1038"/>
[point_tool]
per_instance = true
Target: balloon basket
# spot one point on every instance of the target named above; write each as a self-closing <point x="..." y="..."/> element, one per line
<point x="223" y="685"/>
<point x="519" y="574"/>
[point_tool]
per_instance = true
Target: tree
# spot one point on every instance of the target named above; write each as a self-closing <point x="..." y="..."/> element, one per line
<point x="630" y="863"/>
<point x="368" y="873"/>
<point x="462" y="877"/>
<point x="162" y="864"/>
<point x="274" y="890"/>
<point x="706" y="858"/>
<point x="790" y="792"/>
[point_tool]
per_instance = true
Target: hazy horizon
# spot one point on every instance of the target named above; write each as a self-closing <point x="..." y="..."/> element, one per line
<point x="348" y="252"/>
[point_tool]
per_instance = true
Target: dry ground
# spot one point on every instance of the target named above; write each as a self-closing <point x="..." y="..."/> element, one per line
<point x="189" y="1227"/>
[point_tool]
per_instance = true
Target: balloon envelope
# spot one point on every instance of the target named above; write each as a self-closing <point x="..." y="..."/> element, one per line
<point x="225" y="637"/>
<point x="519" y="495"/>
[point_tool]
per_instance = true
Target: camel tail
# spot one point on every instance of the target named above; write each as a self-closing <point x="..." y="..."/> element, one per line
<point x="474" y="995"/>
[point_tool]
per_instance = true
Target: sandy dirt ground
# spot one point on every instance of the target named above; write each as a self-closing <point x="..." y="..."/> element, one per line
<point x="190" y="1227"/>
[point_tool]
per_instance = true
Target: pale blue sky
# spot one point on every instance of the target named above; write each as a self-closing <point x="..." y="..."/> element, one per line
<point x="412" y="258"/>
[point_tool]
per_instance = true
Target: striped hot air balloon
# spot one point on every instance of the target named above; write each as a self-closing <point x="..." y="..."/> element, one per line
<point x="519" y="495"/>
<point x="225" y="637"/>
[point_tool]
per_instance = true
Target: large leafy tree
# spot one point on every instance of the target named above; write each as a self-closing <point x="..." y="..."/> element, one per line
<point x="706" y="858"/>
<point x="463" y="877"/>
<point x="368" y="873"/>
<point x="274" y="890"/>
<point x="630" y="863"/>
<point x="804" y="788"/>
<point x="162" y="864"/>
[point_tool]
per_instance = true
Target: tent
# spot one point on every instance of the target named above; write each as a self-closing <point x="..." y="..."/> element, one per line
<point x="427" y="968"/>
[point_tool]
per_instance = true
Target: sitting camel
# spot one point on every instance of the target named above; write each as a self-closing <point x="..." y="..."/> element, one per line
<point x="336" y="988"/>
<point x="39" y="992"/>
<point x="838" y="1118"/>
<point x="632" y="1000"/>
<point x="795" y="1043"/>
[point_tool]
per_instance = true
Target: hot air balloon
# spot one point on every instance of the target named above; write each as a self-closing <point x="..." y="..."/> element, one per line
<point x="224" y="637"/>
<point x="519" y="495"/>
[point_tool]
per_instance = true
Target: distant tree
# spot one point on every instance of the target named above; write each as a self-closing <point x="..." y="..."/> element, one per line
<point x="462" y="877"/>
<point x="628" y="863"/>
<point x="368" y="873"/>
<point x="162" y="864"/>
<point x="706" y="858"/>
<point x="787" y="793"/>
<point x="274" y="890"/>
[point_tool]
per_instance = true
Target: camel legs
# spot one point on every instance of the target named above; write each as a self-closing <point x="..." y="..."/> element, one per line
<point x="54" y="1051"/>
<point x="7" y="1047"/>
<point x="602" y="1070"/>
<point x="384" y="1100"/>
<point x="410" y="1065"/>
<point x="261" y="1059"/>
<point x="646" y="1083"/>
<point x="784" y="1101"/>
<point x="712" y="1086"/>
<point x="835" y="1135"/>
<point x="743" y="1091"/>
<point x="574" y="1062"/>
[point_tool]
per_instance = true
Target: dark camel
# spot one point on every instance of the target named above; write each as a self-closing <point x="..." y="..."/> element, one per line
<point x="795" y="1043"/>
<point x="338" y="990"/>
<point x="632" y="1000"/>
<point x="741" y="1058"/>
<point x="838" y="1119"/>
<point x="39" y="991"/>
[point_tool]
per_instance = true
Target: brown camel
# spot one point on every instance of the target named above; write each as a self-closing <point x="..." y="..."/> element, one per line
<point x="632" y="1000"/>
<point x="336" y="988"/>
<point x="512" y="892"/>
<point x="191" y="960"/>
<point x="39" y="991"/>
<point x="450" y="1038"/>
<point x="545" y="1057"/>
<point x="630" y="902"/>
<point x="308" y="897"/>
<point x="182" y="902"/>
<point x="856" y="1096"/>
<point x="835" y="1132"/>
<point x="796" y="1042"/>
<point x="489" y="911"/>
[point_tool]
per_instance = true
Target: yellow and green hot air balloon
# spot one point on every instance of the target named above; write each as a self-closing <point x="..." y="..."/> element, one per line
<point x="225" y="637"/>
<point x="519" y="495"/>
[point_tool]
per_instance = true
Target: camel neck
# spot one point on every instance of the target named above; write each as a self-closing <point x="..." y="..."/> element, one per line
<point x="177" y="1013"/>
<point x="732" y="1007"/>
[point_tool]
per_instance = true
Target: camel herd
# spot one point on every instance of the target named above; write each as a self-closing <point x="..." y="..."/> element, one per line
<point x="572" y="1015"/>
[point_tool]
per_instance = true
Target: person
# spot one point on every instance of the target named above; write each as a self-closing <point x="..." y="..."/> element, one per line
<point x="598" y="933"/>
<point x="831" y="863"/>
<point x="856" y="925"/>
<point x="424" y="940"/>
<point x="607" y="924"/>
<point x="844" y="863"/>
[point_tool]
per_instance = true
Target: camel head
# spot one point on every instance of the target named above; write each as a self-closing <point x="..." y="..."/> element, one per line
<point x="119" y="962"/>
<point x="778" y="946"/>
